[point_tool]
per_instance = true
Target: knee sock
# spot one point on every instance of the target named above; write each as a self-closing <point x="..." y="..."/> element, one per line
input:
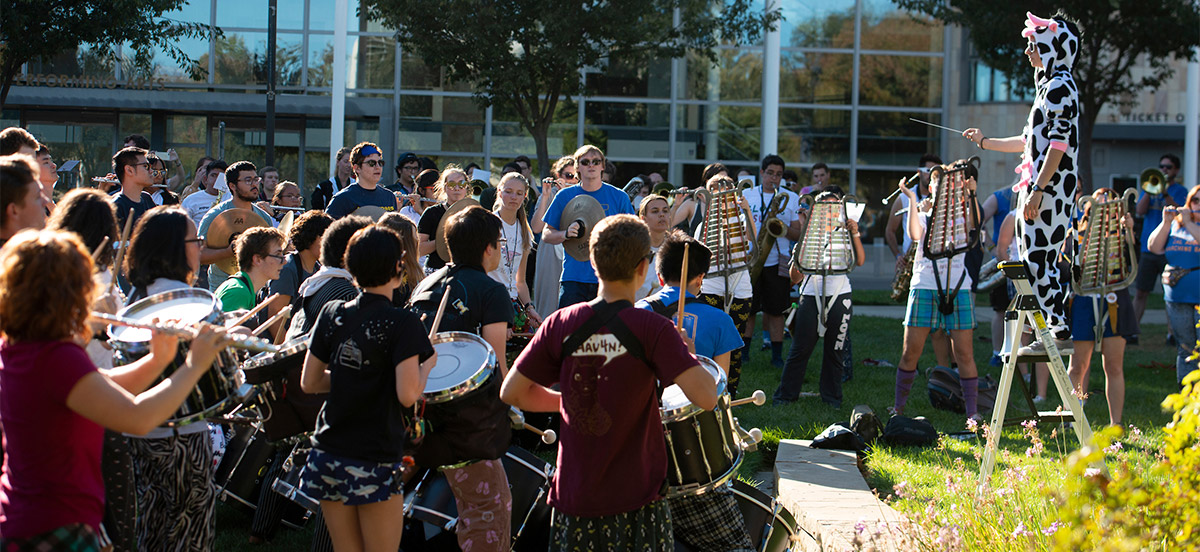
<point x="904" y="382"/>
<point x="970" y="387"/>
<point x="776" y="350"/>
<point x="746" y="348"/>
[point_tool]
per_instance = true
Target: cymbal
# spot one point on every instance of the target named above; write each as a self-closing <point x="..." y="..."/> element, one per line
<point x="586" y="209"/>
<point x="443" y="250"/>
<point x="285" y="224"/>
<point x="373" y="212"/>
<point x="225" y="227"/>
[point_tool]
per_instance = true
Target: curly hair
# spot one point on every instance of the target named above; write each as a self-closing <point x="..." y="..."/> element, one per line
<point x="308" y="228"/>
<point x="618" y="244"/>
<point x="46" y="286"/>
<point x="255" y="242"/>
<point x="90" y="215"/>
<point x="157" y="248"/>
<point x="337" y="236"/>
<point x="562" y="163"/>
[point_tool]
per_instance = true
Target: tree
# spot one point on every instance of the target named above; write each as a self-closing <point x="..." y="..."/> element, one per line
<point x="32" y="30"/>
<point x="1117" y="35"/>
<point x="523" y="54"/>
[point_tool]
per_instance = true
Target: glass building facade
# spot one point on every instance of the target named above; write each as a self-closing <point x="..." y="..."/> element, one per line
<point x="851" y="74"/>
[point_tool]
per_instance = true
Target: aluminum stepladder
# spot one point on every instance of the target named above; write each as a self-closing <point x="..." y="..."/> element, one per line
<point x="1022" y="310"/>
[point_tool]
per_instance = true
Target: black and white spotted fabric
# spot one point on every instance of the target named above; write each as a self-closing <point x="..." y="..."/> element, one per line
<point x="1053" y="124"/>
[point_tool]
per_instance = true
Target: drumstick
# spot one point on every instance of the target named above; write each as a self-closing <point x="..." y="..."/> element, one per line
<point x="548" y="436"/>
<point x="758" y="398"/>
<point x="272" y="320"/>
<point x="683" y="282"/>
<point x="935" y="126"/>
<point x="246" y="317"/>
<point x="437" y="318"/>
<point x="116" y="267"/>
<point x="99" y="248"/>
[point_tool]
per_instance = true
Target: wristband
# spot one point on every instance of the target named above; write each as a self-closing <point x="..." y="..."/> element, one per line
<point x="980" y="144"/>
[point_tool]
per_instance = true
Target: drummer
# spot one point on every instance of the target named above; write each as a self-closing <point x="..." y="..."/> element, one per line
<point x="471" y="434"/>
<point x="173" y="467"/>
<point x="712" y="520"/>
<point x="55" y="402"/>
<point x="451" y="187"/>
<point x="367" y="163"/>
<point x="373" y="359"/>
<point x="579" y="283"/>
<point x="243" y="180"/>
<point x="608" y="401"/>
<point x="260" y="259"/>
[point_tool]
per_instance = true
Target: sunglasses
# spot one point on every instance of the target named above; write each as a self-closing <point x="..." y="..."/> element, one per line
<point x="456" y="185"/>
<point x="570" y="176"/>
<point x="373" y="163"/>
<point x="591" y="162"/>
<point x="1166" y="167"/>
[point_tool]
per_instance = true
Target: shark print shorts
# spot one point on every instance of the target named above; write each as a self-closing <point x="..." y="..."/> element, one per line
<point x="352" y="482"/>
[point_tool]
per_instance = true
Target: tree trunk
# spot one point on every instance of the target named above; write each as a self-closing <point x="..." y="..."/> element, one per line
<point x="1087" y="123"/>
<point x="540" y="134"/>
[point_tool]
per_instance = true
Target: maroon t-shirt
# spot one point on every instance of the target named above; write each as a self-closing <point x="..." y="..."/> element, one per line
<point x="51" y="472"/>
<point x="611" y="453"/>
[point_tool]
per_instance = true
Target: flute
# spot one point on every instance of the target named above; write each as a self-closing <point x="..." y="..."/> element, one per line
<point x="282" y="208"/>
<point x="188" y="331"/>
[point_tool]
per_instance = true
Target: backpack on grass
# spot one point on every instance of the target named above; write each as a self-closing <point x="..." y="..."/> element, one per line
<point x="945" y="391"/>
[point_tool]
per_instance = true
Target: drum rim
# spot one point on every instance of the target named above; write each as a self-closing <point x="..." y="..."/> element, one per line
<point x="261" y="360"/>
<point x="688" y="410"/>
<point x="782" y="514"/>
<point x="156" y="299"/>
<point x="696" y="489"/>
<point x="475" y="381"/>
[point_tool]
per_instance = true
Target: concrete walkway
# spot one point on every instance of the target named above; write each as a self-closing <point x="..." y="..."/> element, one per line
<point x="982" y="314"/>
<point x="828" y="496"/>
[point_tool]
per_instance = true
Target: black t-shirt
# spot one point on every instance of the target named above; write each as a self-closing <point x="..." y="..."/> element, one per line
<point x="476" y="300"/>
<point x="125" y="206"/>
<point x="428" y="226"/>
<point x="362" y="418"/>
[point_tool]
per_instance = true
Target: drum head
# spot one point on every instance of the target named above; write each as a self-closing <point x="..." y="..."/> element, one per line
<point x="673" y="399"/>
<point x="264" y="367"/>
<point x="461" y="358"/>
<point x="187" y="306"/>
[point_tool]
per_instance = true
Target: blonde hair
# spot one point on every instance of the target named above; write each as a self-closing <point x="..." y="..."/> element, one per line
<point x="440" y="187"/>
<point x="522" y="219"/>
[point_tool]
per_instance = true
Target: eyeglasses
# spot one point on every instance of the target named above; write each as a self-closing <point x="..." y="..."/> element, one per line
<point x="570" y="176"/>
<point x="1166" y="167"/>
<point x="249" y="180"/>
<point x="374" y="163"/>
<point x="280" y="256"/>
<point x="591" y="162"/>
<point x="290" y="196"/>
<point x="411" y="168"/>
<point x="773" y="173"/>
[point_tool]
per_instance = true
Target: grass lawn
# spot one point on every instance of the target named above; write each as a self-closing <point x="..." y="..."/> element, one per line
<point x="924" y="472"/>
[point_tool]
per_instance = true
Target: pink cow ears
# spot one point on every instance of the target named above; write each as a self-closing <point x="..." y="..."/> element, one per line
<point x="1032" y="22"/>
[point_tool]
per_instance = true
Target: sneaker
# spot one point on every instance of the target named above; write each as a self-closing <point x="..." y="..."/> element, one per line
<point x="996" y="361"/>
<point x="1065" y="347"/>
<point x="1039" y="400"/>
<point x="1131" y="340"/>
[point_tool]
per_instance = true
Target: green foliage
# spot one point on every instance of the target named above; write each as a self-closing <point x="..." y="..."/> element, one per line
<point x="523" y="54"/>
<point x="1131" y="509"/>
<point x="31" y="30"/>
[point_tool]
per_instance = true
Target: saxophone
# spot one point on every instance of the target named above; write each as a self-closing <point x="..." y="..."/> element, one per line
<point x="772" y="229"/>
<point x="903" y="278"/>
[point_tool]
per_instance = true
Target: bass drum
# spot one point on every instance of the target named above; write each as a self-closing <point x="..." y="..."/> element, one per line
<point x="432" y="513"/>
<point x="771" y="528"/>
<point x="241" y="474"/>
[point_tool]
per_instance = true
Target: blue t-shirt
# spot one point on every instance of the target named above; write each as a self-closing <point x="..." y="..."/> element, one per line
<point x="217" y="276"/>
<point x="614" y="201"/>
<point x="710" y="328"/>
<point x="354" y="196"/>
<point x="1003" y="206"/>
<point x="1154" y="216"/>
<point x="1183" y="252"/>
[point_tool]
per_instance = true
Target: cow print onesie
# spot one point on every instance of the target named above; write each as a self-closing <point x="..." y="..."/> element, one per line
<point x="1053" y="124"/>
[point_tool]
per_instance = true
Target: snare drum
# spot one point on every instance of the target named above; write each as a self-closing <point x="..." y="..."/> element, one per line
<point x="265" y="368"/>
<point x="703" y="450"/>
<point x="219" y="388"/>
<point x="464" y="363"/>
<point x="289" y="410"/>
<point x="291" y="474"/>
<point x="432" y="502"/>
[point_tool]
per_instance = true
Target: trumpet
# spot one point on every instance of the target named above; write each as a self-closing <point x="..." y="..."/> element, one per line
<point x="634" y="187"/>
<point x="1154" y="182"/>
<point x="188" y="331"/>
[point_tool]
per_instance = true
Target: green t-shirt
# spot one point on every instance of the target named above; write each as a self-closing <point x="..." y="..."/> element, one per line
<point x="235" y="293"/>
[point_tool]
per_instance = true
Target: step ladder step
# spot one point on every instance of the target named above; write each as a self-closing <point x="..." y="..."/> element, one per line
<point x="1055" y="415"/>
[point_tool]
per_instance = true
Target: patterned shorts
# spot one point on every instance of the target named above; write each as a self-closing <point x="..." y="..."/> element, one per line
<point x="646" y="529"/>
<point x="351" y="482"/>
<point x="923" y="311"/>
<point x="77" y="537"/>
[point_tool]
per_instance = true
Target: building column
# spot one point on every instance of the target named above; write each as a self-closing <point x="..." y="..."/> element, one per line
<point x="770" y="86"/>
<point x="337" y="119"/>
<point x="1191" y="140"/>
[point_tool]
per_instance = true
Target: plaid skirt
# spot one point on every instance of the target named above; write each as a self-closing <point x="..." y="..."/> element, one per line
<point x="923" y="311"/>
<point x="77" y="537"/>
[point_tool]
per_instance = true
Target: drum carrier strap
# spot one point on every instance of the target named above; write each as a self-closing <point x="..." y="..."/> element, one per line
<point x="668" y="310"/>
<point x="605" y="314"/>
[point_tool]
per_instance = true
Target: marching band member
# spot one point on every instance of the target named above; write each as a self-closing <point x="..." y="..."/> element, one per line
<point x="549" y="257"/>
<point x="1116" y="330"/>
<point x="260" y="258"/>
<point x="656" y="213"/>
<point x="579" y="281"/>
<point x="471" y="434"/>
<point x="329" y="283"/>
<point x="924" y="316"/>
<point x="837" y="323"/>
<point x="243" y="182"/>
<point x="22" y="204"/>
<point x="426" y="189"/>
<point x="772" y="289"/>
<point x="516" y="245"/>
<point x="451" y="188"/>
<point x="608" y="356"/>
<point x="54" y="403"/>
<point x="411" y="272"/>
<point x="367" y="163"/>
<point x="1048" y="165"/>
<point x="373" y="359"/>
<point x="712" y="520"/>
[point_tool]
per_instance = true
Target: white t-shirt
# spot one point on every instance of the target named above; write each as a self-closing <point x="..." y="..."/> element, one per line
<point x="512" y="250"/>
<point x="714" y="284"/>
<point x="835" y="285"/>
<point x="198" y="204"/>
<point x="759" y="201"/>
<point x="949" y="270"/>
<point x="650" y="285"/>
